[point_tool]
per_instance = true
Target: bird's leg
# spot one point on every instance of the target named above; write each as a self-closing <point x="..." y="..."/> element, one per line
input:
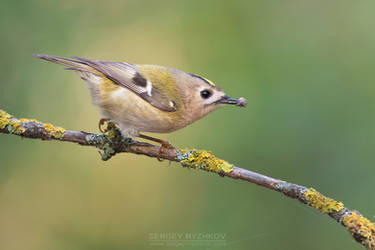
<point x="164" y="144"/>
<point x="101" y="123"/>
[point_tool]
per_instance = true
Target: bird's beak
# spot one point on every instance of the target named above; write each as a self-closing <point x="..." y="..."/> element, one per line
<point x="241" y="102"/>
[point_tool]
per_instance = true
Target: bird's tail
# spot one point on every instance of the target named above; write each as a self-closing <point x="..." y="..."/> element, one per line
<point x="69" y="63"/>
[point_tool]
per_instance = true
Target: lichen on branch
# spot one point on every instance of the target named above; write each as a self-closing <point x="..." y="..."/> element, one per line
<point x="205" y="160"/>
<point x="321" y="202"/>
<point x="361" y="229"/>
<point x="31" y="127"/>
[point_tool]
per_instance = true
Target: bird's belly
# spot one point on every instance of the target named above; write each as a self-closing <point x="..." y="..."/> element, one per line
<point x="134" y="115"/>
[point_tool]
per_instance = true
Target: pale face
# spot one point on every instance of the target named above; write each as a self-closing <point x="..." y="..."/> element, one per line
<point x="204" y="97"/>
<point x="208" y="98"/>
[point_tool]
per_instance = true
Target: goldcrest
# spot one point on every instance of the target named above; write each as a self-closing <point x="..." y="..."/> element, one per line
<point x="146" y="98"/>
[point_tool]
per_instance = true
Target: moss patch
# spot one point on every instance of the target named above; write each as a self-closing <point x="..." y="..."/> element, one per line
<point x="361" y="229"/>
<point x="202" y="159"/>
<point x="321" y="202"/>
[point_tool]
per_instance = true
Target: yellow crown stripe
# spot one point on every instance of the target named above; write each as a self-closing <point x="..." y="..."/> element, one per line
<point x="209" y="82"/>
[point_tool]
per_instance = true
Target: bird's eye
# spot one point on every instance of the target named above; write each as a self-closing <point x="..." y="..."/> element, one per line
<point x="206" y="94"/>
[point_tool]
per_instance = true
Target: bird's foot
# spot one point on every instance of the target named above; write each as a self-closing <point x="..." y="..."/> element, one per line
<point x="164" y="145"/>
<point x="101" y="123"/>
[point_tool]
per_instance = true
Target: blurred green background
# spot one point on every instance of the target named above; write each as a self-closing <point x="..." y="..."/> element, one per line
<point x="306" y="68"/>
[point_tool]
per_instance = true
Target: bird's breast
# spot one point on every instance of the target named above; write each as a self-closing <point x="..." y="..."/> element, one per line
<point x="129" y="110"/>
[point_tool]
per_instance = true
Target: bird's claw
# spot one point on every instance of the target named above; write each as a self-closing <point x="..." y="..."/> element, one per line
<point x="101" y="123"/>
<point x="164" y="145"/>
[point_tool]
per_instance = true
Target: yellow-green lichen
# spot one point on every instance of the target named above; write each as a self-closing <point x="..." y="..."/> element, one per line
<point x="4" y="119"/>
<point x="321" y="202"/>
<point x="361" y="229"/>
<point x="56" y="132"/>
<point x="105" y="145"/>
<point x="202" y="159"/>
<point x="112" y="131"/>
<point x="24" y="120"/>
<point x="13" y="126"/>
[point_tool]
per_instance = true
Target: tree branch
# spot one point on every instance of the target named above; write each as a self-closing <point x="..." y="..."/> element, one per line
<point x="111" y="143"/>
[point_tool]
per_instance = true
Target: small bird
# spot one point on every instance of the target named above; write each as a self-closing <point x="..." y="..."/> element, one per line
<point x="146" y="98"/>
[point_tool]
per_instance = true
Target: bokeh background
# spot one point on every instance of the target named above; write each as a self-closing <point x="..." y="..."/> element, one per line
<point x="306" y="68"/>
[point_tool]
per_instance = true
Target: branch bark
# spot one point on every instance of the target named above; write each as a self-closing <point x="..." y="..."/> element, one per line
<point x="111" y="143"/>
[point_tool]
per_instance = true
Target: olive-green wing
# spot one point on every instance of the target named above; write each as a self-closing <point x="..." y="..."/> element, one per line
<point x="124" y="74"/>
<point x="127" y="75"/>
